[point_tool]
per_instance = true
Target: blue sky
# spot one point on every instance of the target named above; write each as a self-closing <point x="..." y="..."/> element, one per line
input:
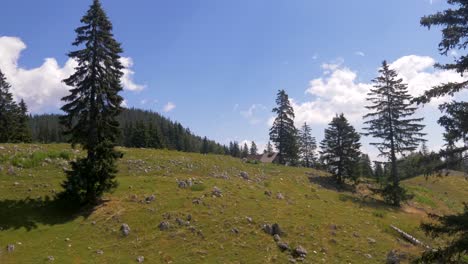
<point x="221" y="62"/>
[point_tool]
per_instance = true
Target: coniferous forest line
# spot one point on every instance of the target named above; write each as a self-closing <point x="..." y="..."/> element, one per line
<point x="139" y="129"/>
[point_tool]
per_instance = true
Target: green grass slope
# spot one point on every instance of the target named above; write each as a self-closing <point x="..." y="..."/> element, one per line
<point x="334" y="227"/>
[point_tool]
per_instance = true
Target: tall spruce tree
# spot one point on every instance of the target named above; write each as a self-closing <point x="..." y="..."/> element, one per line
<point x="283" y="133"/>
<point x="92" y="107"/>
<point x="23" y="131"/>
<point x="390" y="121"/>
<point x="269" y="148"/>
<point x="253" y="148"/>
<point x="340" y="149"/>
<point x="8" y="111"/>
<point x="365" y="166"/>
<point x="307" y="146"/>
<point x="454" y="23"/>
<point x="245" y="151"/>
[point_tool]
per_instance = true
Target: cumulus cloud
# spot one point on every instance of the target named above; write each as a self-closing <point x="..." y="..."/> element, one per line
<point x="339" y="90"/>
<point x="169" y="107"/>
<point x="251" y="113"/>
<point x="42" y="87"/>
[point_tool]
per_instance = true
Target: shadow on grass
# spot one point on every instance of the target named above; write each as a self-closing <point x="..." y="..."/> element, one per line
<point x="29" y="213"/>
<point x="329" y="183"/>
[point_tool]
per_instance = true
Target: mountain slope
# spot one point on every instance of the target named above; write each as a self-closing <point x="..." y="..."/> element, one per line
<point x="334" y="227"/>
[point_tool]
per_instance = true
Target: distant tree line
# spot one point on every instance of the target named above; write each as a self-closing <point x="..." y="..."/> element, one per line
<point x="138" y="129"/>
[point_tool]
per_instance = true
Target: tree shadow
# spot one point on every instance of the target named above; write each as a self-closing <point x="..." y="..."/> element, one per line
<point x="330" y="183"/>
<point x="29" y="213"/>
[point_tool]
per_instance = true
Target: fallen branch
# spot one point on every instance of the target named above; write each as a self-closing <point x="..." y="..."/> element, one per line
<point x="409" y="237"/>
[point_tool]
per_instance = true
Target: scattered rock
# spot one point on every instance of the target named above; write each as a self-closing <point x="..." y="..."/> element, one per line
<point x="10" y="248"/>
<point x="244" y="175"/>
<point x="279" y="196"/>
<point x="185" y="183"/>
<point x="125" y="229"/>
<point x="267" y="229"/>
<point x="249" y="219"/>
<point x="235" y="230"/>
<point x="217" y="192"/>
<point x="371" y="240"/>
<point x="333" y="227"/>
<point x="67" y="239"/>
<point x="277" y="238"/>
<point x="355" y="234"/>
<point x="276" y="230"/>
<point x="189" y="217"/>
<point x="197" y="201"/>
<point x="150" y="198"/>
<point x="11" y="170"/>
<point x="99" y="252"/>
<point x="268" y="193"/>
<point x="394" y="257"/>
<point x="164" y="226"/>
<point x="283" y="246"/>
<point x="140" y="259"/>
<point x="181" y="222"/>
<point x="369" y="256"/>
<point x="50" y="258"/>
<point x="300" y="252"/>
<point x="93" y="222"/>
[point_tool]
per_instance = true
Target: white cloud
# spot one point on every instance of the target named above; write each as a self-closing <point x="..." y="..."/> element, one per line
<point x="42" y="87"/>
<point x="169" y="107"/>
<point x="251" y="113"/>
<point x="339" y="90"/>
<point x="127" y="78"/>
<point x="359" y="53"/>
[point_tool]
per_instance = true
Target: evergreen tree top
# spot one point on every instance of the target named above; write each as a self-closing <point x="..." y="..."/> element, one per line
<point x="454" y="36"/>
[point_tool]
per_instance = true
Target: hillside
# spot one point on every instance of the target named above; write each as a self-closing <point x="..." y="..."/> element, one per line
<point x="139" y="128"/>
<point x="334" y="227"/>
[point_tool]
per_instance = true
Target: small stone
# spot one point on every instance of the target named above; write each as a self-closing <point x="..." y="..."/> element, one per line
<point x="125" y="229"/>
<point x="93" y="222"/>
<point x="180" y="221"/>
<point x="235" y="230"/>
<point x="10" y="248"/>
<point x="355" y="234"/>
<point x="300" y="252"/>
<point x="369" y="256"/>
<point x="164" y="226"/>
<point x="11" y="170"/>
<point x="268" y="193"/>
<point x="394" y="257"/>
<point x="249" y="219"/>
<point x="99" y="252"/>
<point x="67" y="239"/>
<point x="140" y="259"/>
<point x="371" y="240"/>
<point x="217" y="192"/>
<point x="276" y="237"/>
<point x="150" y="198"/>
<point x="276" y="230"/>
<point x="197" y="201"/>
<point x="51" y="258"/>
<point x="279" y="196"/>
<point x="244" y="175"/>
<point x="189" y="217"/>
<point x="283" y="246"/>
<point x="267" y="229"/>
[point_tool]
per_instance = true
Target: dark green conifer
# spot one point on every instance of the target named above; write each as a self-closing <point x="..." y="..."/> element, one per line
<point x="8" y="111"/>
<point x="307" y="146"/>
<point x="283" y="133"/>
<point x="92" y="107"/>
<point x="253" y="149"/>
<point x="340" y="149"/>
<point x="390" y="121"/>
